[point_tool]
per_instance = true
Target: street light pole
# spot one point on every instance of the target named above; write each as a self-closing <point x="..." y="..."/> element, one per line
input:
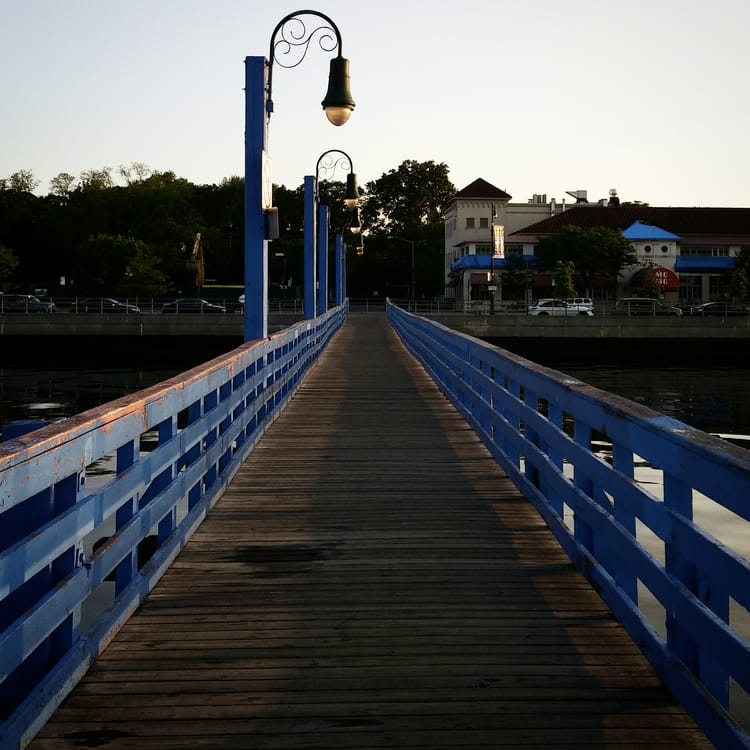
<point x="413" y="283"/>
<point x="316" y="278"/>
<point x="260" y="218"/>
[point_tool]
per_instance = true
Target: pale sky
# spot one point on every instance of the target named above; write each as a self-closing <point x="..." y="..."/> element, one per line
<point x="649" y="97"/>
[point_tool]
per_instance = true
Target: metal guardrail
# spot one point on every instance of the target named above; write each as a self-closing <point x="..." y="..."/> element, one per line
<point x="680" y="591"/>
<point x="66" y="533"/>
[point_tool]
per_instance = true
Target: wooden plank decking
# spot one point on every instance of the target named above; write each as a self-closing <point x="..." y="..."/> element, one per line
<point x="371" y="579"/>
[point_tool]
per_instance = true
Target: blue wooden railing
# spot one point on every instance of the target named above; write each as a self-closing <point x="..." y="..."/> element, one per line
<point x="81" y="548"/>
<point x="576" y="453"/>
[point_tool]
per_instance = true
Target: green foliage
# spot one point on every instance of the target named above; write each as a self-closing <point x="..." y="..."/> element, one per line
<point x="592" y="250"/>
<point x="562" y="276"/>
<point x="8" y="264"/>
<point x="407" y="198"/>
<point x="516" y="278"/>
<point x="143" y="275"/>
<point x="739" y="284"/>
<point x="62" y="185"/>
<point x="22" y="181"/>
<point x="651" y="288"/>
<point x="135" y="238"/>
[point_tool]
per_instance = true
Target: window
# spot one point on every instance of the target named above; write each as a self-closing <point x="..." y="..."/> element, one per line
<point x="704" y="251"/>
<point x="647" y="249"/>
<point x="664" y="249"/>
<point x="717" y="286"/>
<point x="470" y="223"/>
<point x="484" y="223"/>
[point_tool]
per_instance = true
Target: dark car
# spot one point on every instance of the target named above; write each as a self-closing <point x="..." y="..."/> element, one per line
<point x="644" y="306"/>
<point x="719" y="309"/>
<point x="102" y="305"/>
<point x="24" y="303"/>
<point x="190" y="305"/>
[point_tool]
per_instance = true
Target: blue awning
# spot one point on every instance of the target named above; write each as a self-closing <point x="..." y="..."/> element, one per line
<point x="482" y="262"/>
<point x="703" y="264"/>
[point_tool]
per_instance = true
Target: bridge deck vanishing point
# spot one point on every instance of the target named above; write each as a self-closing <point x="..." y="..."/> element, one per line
<point x="371" y="579"/>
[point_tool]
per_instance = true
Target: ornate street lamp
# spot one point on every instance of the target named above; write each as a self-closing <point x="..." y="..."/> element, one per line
<point x="316" y="277"/>
<point x="290" y="42"/>
<point x="294" y="37"/>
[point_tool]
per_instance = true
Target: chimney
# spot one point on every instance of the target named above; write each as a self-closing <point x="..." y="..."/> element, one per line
<point x="613" y="199"/>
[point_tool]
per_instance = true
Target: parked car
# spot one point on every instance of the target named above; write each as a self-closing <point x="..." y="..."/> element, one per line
<point x="582" y="301"/>
<point x="102" y="305"/>
<point x="558" y="307"/>
<point x="720" y="309"/>
<point x="644" y="306"/>
<point x="192" y="305"/>
<point x="24" y="303"/>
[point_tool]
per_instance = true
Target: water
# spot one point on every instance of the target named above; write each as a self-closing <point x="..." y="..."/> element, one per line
<point x="44" y="394"/>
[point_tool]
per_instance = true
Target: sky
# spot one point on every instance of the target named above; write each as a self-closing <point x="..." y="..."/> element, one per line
<point x="646" y="97"/>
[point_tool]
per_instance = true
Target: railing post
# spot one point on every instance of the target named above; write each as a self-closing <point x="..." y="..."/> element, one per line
<point x="678" y="498"/>
<point x="308" y="292"/>
<point x="322" y="259"/>
<point x="339" y="254"/>
<point x="256" y="245"/>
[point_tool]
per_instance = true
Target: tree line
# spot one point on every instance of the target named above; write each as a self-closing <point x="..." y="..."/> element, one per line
<point x="131" y="232"/>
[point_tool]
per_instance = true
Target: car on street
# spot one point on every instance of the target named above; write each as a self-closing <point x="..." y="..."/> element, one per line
<point x="582" y="301"/>
<point x="719" y="309"/>
<point x="192" y="305"/>
<point x="24" y="303"/>
<point x="644" y="306"/>
<point x="102" y="305"/>
<point x="558" y="307"/>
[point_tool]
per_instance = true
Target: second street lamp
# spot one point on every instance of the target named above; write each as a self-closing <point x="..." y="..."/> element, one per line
<point x="290" y="36"/>
<point x="315" y="296"/>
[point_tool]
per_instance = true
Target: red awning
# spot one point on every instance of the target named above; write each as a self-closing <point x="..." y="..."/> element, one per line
<point x="665" y="278"/>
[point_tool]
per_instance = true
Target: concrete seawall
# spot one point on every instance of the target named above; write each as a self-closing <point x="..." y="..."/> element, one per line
<point x="479" y="326"/>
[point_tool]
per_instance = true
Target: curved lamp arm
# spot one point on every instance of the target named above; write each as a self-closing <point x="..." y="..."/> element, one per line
<point x="329" y="164"/>
<point x="295" y="37"/>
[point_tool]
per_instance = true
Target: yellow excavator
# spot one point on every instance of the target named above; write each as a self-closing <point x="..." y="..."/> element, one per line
<point x="195" y="262"/>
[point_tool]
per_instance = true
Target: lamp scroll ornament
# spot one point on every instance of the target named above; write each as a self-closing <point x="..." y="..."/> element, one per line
<point x="290" y="42"/>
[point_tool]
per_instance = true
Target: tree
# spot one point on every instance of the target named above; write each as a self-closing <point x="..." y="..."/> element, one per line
<point x="651" y="287"/>
<point x="143" y="274"/>
<point x="22" y="181"/>
<point x="97" y="179"/>
<point x="516" y="278"/>
<point x="136" y="171"/>
<point x="739" y="284"/>
<point x="61" y="185"/>
<point x="407" y="198"/>
<point x="8" y="264"/>
<point x="593" y="251"/>
<point x="563" y="279"/>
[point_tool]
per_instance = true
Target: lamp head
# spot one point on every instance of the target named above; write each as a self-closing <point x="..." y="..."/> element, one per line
<point x="351" y="196"/>
<point x="338" y="103"/>
<point x="355" y="227"/>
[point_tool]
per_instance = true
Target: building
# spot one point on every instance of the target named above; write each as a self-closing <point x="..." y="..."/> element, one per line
<point x="688" y="253"/>
<point x="477" y="217"/>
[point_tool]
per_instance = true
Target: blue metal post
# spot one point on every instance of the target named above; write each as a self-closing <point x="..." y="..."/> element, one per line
<point x="256" y="246"/>
<point x="322" y="259"/>
<point x="339" y="267"/>
<point x="309" y="248"/>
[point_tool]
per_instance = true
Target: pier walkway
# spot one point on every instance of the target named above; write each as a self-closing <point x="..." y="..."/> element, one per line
<point x="371" y="579"/>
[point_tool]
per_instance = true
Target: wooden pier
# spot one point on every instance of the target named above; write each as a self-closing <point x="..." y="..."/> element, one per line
<point x="371" y="579"/>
